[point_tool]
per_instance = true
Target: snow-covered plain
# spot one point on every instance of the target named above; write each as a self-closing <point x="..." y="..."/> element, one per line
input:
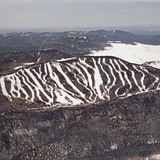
<point x="137" y="53"/>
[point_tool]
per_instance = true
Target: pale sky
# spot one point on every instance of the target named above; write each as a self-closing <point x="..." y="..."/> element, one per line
<point x="78" y="13"/>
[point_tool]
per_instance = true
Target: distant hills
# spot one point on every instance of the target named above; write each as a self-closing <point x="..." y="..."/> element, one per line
<point x="72" y="42"/>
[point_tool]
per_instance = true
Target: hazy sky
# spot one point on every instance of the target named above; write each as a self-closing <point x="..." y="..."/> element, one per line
<point x="78" y="13"/>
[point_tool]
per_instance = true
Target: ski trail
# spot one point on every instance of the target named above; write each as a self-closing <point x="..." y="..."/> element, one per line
<point x="90" y="82"/>
<point x="4" y="91"/>
<point x="133" y="76"/>
<point x="125" y="74"/>
<point x="69" y="81"/>
<point x="121" y="78"/>
<point x="142" y="78"/>
<point x="106" y="93"/>
<point x="98" y="80"/>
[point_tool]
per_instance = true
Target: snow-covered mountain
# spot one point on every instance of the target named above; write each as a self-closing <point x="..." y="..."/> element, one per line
<point x="79" y="81"/>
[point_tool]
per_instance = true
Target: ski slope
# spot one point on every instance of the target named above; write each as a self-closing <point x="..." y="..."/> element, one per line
<point x="79" y="81"/>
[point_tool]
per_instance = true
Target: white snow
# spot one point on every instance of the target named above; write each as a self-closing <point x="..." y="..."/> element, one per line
<point x="62" y="92"/>
<point x="38" y="59"/>
<point x="27" y="64"/>
<point x="13" y="84"/>
<point x="23" y="65"/>
<point x="119" y="72"/>
<point x="125" y="75"/>
<point x="84" y="66"/>
<point x="142" y="78"/>
<point x="2" y="82"/>
<point x="114" y="146"/>
<point x="114" y="78"/>
<point x="120" y="76"/>
<point x="69" y="81"/>
<point x="108" y="78"/>
<point x="133" y="76"/>
<point x="28" y="85"/>
<point x="19" y="86"/>
<point x="138" y="53"/>
<point x="82" y="62"/>
<point x="39" y="87"/>
<point x="66" y="59"/>
<point x="98" y="79"/>
<point x="80" y="76"/>
<point x="155" y="156"/>
<point x="18" y="67"/>
<point x="155" y="64"/>
<point x="36" y="88"/>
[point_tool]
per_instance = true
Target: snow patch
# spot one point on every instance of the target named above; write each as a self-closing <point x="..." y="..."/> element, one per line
<point x="18" y="67"/>
<point x="27" y="64"/>
<point x="66" y="59"/>
<point x="114" y="146"/>
<point x="156" y="156"/>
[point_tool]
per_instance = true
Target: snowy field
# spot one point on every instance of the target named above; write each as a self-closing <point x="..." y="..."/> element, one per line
<point x="138" y="53"/>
